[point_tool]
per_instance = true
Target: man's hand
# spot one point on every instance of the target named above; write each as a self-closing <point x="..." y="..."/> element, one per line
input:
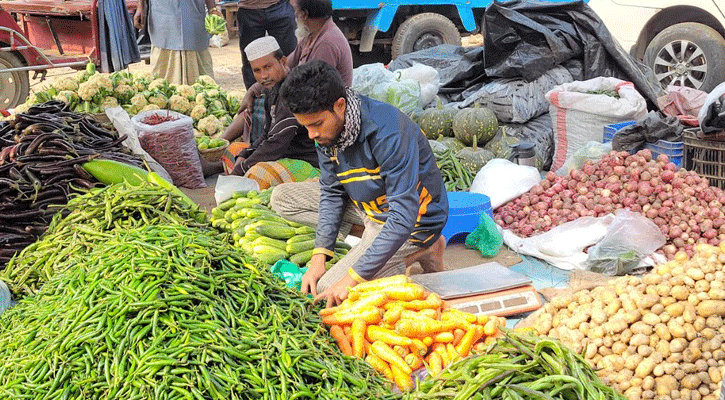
<point x="337" y="293"/>
<point x="238" y="170"/>
<point x="247" y="103"/>
<point x="216" y="12"/>
<point x="139" y="18"/>
<point x="313" y="274"/>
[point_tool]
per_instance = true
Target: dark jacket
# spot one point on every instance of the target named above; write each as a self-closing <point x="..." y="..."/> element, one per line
<point x="391" y="174"/>
<point x="283" y="137"/>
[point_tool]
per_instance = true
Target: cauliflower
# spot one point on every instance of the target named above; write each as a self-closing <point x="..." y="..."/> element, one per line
<point x="227" y="120"/>
<point x="103" y="82"/>
<point x="217" y="105"/>
<point x="108" y="102"/>
<point x="138" y="101"/>
<point x="140" y="86"/>
<point x="158" y="99"/>
<point x="200" y="99"/>
<point x="212" y="93"/>
<point x="66" y="97"/>
<point x="22" y="108"/>
<point x="186" y="91"/>
<point x="159" y="83"/>
<point x="210" y="125"/>
<point x="66" y="83"/>
<point x="179" y="103"/>
<point x="198" y="112"/>
<point x="206" y="80"/>
<point x="88" y="90"/>
<point x="124" y="92"/>
<point x="151" y="107"/>
<point x="80" y="76"/>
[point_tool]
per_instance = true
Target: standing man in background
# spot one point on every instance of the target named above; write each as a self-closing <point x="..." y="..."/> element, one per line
<point x="256" y="18"/>
<point x="180" y="42"/>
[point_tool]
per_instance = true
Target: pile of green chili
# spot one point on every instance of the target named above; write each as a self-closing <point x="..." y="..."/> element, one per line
<point x="168" y="311"/>
<point x="83" y="223"/>
<point x="518" y="366"/>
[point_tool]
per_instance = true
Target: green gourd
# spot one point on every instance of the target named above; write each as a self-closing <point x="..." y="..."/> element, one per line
<point x="437" y="121"/>
<point x="475" y="126"/>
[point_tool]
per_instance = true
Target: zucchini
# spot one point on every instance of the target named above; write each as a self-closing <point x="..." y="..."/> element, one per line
<point x="268" y="254"/>
<point x="301" y="258"/>
<point x="299" y="247"/>
<point x="111" y="172"/>
<point x="271" y="218"/>
<point x="342" y="245"/>
<point x="267" y="241"/>
<point x="301" y="238"/>
<point x="303" y="230"/>
<point x="256" y="212"/>
<point x="226" y="205"/>
<point x="274" y="230"/>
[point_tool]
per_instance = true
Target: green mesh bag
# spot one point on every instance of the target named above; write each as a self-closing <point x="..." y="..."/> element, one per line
<point x="485" y="237"/>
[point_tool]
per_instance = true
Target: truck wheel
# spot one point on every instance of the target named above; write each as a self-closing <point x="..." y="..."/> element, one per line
<point x="423" y="31"/>
<point x="687" y="54"/>
<point x="14" y="86"/>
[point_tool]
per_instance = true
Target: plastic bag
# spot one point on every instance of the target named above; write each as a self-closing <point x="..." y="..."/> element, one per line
<point x="629" y="239"/>
<point x="593" y="151"/>
<point x="122" y="122"/>
<point x="427" y="77"/>
<point x="485" y="237"/>
<point x="539" y="131"/>
<point x="172" y="145"/>
<point x="227" y="185"/>
<point x="375" y="81"/>
<point x="289" y="272"/>
<point x="5" y="297"/>
<point x="501" y="180"/>
<point x="458" y="67"/>
<point x="221" y="40"/>
<point x="682" y="102"/>
<point x="366" y="77"/>
<point x="712" y="113"/>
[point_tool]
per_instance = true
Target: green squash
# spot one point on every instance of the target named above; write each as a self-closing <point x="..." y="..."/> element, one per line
<point x="415" y="115"/>
<point x="437" y="121"/>
<point x="501" y="144"/>
<point x="475" y="126"/>
<point x="451" y="143"/>
<point x="474" y="158"/>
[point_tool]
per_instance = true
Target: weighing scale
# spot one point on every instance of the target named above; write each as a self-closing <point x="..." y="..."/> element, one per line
<point x="488" y="288"/>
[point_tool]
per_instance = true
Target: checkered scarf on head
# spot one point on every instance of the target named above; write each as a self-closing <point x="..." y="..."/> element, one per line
<point x="351" y="129"/>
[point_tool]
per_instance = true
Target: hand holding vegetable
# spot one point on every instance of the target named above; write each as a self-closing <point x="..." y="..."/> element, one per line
<point x="313" y="274"/>
<point x="337" y="293"/>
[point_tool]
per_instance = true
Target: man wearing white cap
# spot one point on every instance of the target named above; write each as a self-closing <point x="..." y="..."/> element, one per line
<point x="283" y="137"/>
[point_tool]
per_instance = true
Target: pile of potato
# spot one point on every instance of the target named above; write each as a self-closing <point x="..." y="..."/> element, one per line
<point x="658" y="337"/>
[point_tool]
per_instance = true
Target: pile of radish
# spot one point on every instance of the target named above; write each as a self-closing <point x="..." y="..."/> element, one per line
<point x="684" y="206"/>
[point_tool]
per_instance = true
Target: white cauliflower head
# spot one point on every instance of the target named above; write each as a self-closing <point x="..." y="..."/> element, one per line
<point x="103" y="82"/>
<point x="66" y="83"/>
<point x="206" y="80"/>
<point x="138" y="101"/>
<point x="158" y="83"/>
<point x="212" y="93"/>
<point x="88" y="90"/>
<point x="159" y="100"/>
<point x="66" y="96"/>
<point x="109" y="101"/>
<point x="179" y="103"/>
<point x="124" y="92"/>
<point x="210" y="125"/>
<point x="151" y="107"/>
<point x="198" y="112"/>
<point x="186" y="91"/>
<point x="200" y="99"/>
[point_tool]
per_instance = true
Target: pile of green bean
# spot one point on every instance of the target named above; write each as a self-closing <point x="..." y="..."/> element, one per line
<point x="456" y="177"/>
<point x="83" y="223"/>
<point x="169" y="311"/>
<point x="518" y="366"/>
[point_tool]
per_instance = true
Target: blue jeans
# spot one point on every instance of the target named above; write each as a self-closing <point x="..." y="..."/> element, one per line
<point x="277" y="20"/>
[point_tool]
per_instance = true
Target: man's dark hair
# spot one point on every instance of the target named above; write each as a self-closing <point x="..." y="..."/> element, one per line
<point x="316" y="8"/>
<point x="278" y="54"/>
<point x="311" y="87"/>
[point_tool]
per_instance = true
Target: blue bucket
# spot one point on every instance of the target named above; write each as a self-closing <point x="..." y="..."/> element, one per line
<point x="464" y="211"/>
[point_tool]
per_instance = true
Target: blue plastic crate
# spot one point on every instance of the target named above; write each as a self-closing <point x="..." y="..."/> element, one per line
<point x="611" y="129"/>
<point x="673" y="150"/>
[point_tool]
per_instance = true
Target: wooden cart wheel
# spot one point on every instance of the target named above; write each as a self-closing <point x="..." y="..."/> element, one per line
<point x="14" y="86"/>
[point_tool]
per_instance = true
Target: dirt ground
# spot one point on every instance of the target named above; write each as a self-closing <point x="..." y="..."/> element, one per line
<point x="227" y="66"/>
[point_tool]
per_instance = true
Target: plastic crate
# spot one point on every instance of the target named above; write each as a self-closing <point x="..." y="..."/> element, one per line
<point x="706" y="157"/>
<point x="673" y="150"/>
<point x="611" y="129"/>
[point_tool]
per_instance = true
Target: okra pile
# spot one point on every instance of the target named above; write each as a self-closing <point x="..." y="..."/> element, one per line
<point x="168" y="311"/>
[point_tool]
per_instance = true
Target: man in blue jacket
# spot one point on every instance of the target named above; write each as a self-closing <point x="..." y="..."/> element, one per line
<point x="377" y="170"/>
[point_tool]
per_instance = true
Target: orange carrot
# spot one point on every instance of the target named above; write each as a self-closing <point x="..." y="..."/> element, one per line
<point x="329" y="311"/>
<point x="392" y="315"/>
<point x="452" y="353"/>
<point x="371" y="315"/>
<point x="415" y="361"/>
<point x="454" y="313"/>
<point x="358" y="337"/>
<point x="418" y="347"/>
<point x="432" y="302"/>
<point x="402" y="378"/>
<point x="444" y="337"/>
<point x="387" y="336"/>
<point x="389" y="355"/>
<point x="427" y="313"/>
<point x="402" y="350"/>
<point x="337" y="333"/>
<point x="366" y="299"/>
<point x="423" y="327"/>
<point x="491" y="328"/>
<point x="379" y="284"/>
<point x="380" y="366"/>
<point x="440" y="348"/>
<point x="427" y="341"/>
<point x="482" y="319"/>
<point x="366" y="347"/>
<point x="435" y="363"/>
<point x="346" y="329"/>
<point x="405" y="291"/>
<point x="471" y="337"/>
<point x="390" y="327"/>
<point x="458" y="335"/>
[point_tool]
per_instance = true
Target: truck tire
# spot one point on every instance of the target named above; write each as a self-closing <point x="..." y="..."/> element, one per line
<point x="422" y="31"/>
<point x="14" y="86"/>
<point x="687" y="54"/>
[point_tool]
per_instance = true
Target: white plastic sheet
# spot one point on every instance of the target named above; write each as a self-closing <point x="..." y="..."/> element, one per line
<point x="502" y="181"/>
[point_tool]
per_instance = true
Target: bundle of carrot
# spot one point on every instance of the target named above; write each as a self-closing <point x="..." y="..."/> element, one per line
<point x="398" y="327"/>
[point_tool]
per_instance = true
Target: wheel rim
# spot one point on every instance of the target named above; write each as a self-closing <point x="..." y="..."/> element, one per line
<point x="427" y="40"/>
<point x="681" y="63"/>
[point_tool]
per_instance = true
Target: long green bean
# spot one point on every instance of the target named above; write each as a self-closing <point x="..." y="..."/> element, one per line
<point x="455" y="176"/>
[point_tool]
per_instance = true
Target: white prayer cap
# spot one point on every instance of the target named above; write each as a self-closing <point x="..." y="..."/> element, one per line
<point x="261" y="47"/>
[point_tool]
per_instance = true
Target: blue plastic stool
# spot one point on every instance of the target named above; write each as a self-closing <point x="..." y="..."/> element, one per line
<point x="464" y="210"/>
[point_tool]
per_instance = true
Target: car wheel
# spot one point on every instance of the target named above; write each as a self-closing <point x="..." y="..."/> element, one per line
<point x="687" y="54"/>
<point x="423" y="31"/>
<point x="14" y="86"/>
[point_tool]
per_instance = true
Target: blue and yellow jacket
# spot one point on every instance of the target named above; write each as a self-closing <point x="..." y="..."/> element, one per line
<point x="391" y="174"/>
